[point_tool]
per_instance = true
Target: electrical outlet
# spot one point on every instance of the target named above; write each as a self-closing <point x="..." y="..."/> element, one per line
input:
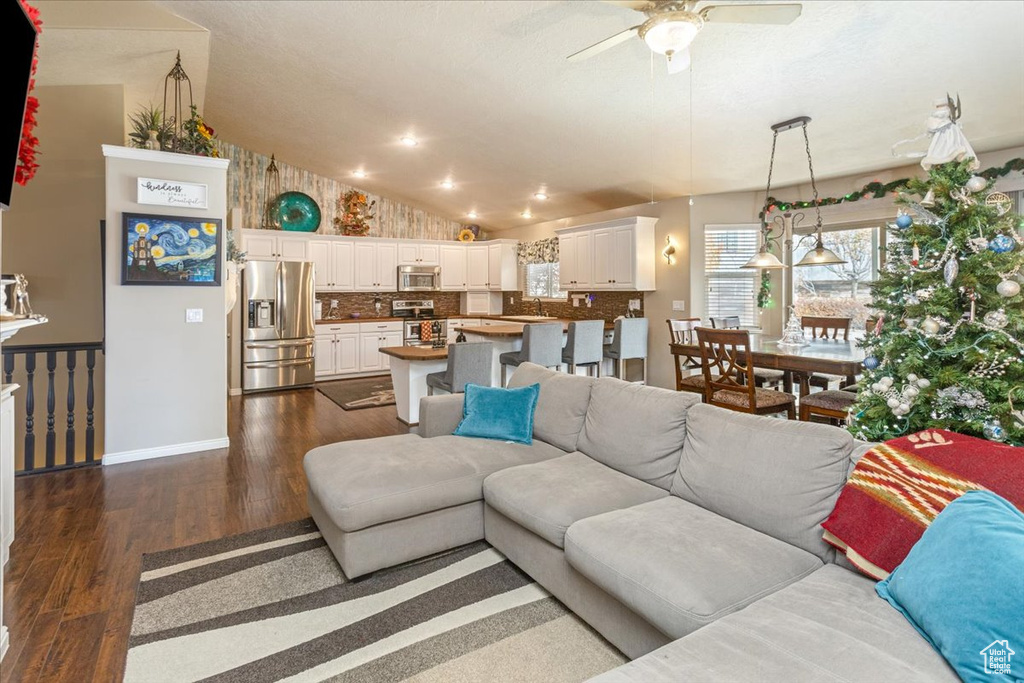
<point x="511" y="300"/>
<point x="678" y="305"/>
<point x="575" y="302"/>
<point x="634" y="304"/>
<point x="193" y="315"/>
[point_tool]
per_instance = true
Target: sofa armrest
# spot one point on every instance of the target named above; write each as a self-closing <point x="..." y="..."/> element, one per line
<point x="440" y="415"/>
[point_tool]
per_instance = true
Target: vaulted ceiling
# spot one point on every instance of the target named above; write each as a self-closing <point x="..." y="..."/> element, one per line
<point x="486" y="89"/>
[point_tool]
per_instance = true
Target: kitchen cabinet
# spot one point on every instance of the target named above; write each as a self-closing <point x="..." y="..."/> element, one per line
<point x="418" y="254"/>
<point x="453" y="267"/>
<point x="373" y="337"/>
<point x="477" y="268"/>
<point x="333" y="265"/>
<point x="480" y="303"/>
<point x="616" y="255"/>
<point x="376" y="267"/>
<point x="336" y="349"/>
<point x="502" y="266"/>
<point x="273" y="247"/>
<point x="576" y="261"/>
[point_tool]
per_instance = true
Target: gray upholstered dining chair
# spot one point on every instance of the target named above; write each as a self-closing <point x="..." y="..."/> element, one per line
<point x="542" y="345"/>
<point x="629" y="342"/>
<point x="468" y="363"/>
<point x="584" y="345"/>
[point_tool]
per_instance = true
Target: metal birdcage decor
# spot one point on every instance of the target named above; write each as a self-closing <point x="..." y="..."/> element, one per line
<point x="271" y="191"/>
<point x="176" y="112"/>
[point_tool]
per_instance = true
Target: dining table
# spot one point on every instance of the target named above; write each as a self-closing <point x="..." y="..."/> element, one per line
<point x="825" y="356"/>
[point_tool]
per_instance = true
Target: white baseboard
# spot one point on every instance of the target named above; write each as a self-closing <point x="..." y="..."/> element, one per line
<point x="164" y="451"/>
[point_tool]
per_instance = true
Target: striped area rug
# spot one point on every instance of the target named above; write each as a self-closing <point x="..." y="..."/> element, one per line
<point x="273" y="605"/>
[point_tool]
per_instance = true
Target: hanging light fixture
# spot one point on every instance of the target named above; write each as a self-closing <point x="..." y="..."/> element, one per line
<point x="820" y="255"/>
<point x="177" y="114"/>
<point x="271" y="191"/>
<point x="764" y="258"/>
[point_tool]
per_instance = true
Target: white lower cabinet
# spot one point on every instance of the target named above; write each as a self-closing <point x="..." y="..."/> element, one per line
<point x="353" y="348"/>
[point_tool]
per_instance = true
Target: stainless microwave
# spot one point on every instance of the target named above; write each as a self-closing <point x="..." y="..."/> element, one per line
<point x="419" y="278"/>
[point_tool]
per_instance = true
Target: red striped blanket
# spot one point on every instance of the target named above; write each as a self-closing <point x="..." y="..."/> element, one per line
<point x="898" y="487"/>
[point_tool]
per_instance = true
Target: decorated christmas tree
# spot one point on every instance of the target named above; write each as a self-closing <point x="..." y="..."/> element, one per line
<point x="948" y="350"/>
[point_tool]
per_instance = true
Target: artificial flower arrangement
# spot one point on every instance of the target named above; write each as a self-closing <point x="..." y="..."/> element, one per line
<point x="466" y="235"/>
<point x="355" y="214"/>
<point x="27" y="151"/>
<point x="197" y="137"/>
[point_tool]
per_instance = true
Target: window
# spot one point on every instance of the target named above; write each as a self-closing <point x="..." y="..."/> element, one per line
<point x="730" y="289"/>
<point x="541" y="281"/>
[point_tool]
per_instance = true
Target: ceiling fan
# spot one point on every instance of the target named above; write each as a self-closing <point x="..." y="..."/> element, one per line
<point x="672" y="25"/>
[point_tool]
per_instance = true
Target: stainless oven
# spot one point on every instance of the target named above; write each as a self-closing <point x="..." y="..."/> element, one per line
<point x="424" y="332"/>
<point x="419" y="278"/>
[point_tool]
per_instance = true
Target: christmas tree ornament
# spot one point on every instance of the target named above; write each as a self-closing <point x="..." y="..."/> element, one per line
<point x="925" y="294"/>
<point x="950" y="271"/>
<point x="972" y="296"/>
<point x="976" y="184"/>
<point x="954" y="403"/>
<point x="977" y="244"/>
<point x="963" y="196"/>
<point x="1000" y="201"/>
<point x="928" y="199"/>
<point x="947" y="140"/>
<point x="993" y="430"/>
<point x="930" y="326"/>
<point x="871" y="362"/>
<point x="915" y="254"/>
<point x="996" y="319"/>
<point x="1001" y="244"/>
<point x="904" y="221"/>
<point x="1018" y="415"/>
<point x="1007" y="289"/>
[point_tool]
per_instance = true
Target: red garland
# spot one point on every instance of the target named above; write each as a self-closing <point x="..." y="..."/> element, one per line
<point x="27" y="152"/>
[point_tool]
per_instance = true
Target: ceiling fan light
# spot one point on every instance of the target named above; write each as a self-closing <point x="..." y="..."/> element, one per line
<point x="671" y="32"/>
<point x="820" y="256"/>
<point x="764" y="259"/>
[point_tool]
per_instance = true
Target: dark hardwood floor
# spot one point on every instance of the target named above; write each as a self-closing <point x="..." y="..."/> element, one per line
<point x="69" y="589"/>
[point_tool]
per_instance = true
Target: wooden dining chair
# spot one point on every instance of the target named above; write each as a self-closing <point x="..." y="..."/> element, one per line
<point x="682" y="331"/>
<point x="832" y="405"/>
<point x="763" y="377"/>
<point x="822" y="327"/>
<point x="720" y="352"/>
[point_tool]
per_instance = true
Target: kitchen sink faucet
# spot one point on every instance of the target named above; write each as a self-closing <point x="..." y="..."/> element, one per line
<point x="540" y="308"/>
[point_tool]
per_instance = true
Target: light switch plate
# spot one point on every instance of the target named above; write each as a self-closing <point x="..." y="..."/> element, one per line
<point x="634" y="304"/>
<point x="193" y="315"/>
<point x="678" y="305"/>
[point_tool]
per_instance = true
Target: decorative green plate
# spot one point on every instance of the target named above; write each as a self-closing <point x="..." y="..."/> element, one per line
<point x="297" y="211"/>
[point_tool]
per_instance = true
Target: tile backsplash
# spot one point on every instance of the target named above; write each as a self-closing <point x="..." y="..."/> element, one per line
<point x="445" y="303"/>
<point x="605" y="306"/>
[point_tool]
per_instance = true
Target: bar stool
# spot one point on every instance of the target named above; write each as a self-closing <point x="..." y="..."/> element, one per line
<point x="468" y="363"/>
<point x="584" y="345"/>
<point x="629" y="341"/>
<point x="542" y="345"/>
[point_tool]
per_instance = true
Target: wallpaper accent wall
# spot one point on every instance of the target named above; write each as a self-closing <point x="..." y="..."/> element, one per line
<point x="393" y="219"/>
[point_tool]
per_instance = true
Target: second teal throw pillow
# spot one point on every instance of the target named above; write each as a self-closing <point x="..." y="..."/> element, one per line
<point x="496" y="413"/>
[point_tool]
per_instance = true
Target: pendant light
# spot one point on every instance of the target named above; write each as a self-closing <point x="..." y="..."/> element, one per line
<point x="764" y="258"/>
<point x="820" y="255"/>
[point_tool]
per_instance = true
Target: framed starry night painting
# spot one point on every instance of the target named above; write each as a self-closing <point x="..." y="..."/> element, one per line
<point x="171" y="250"/>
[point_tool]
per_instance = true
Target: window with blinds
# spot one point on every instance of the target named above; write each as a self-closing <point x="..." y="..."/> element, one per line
<point x="730" y="289"/>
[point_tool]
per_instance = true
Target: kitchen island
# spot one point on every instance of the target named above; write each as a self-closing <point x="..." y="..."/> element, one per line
<point x="410" y="366"/>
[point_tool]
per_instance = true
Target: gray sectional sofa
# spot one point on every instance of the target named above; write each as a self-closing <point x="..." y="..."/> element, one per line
<point x="687" y="535"/>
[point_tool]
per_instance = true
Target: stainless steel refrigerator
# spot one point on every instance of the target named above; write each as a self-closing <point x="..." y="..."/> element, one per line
<point x="277" y="346"/>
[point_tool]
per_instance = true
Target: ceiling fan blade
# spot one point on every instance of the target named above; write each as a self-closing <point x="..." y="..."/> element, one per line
<point x="605" y="44"/>
<point x="752" y="14"/>
<point x="638" y="5"/>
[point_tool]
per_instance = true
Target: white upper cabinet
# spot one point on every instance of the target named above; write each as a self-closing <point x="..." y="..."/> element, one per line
<point x="387" y="267"/>
<point x="273" y="247"/>
<point x="332" y="262"/>
<point x="477" y="268"/>
<point x="453" y="267"/>
<point x="502" y="266"/>
<point x="418" y="254"/>
<point x="619" y="254"/>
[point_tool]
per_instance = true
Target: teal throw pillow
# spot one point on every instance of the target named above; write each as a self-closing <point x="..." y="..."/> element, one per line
<point x="962" y="587"/>
<point x="496" y="413"/>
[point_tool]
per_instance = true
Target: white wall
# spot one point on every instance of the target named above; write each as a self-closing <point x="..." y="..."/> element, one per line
<point x="166" y="381"/>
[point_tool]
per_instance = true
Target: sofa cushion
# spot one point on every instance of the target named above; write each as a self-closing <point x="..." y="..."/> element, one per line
<point x="548" y="496"/>
<point x="680" y="566"/>
<point x="363" y="483"/>
<point x="780" y="477"/>
<point x="635" y="429"/>
<point x="562" y="404"/>
<point x="829" y="626"/>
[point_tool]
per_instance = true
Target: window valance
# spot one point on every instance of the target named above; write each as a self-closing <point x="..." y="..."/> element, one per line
<point x="538" y="251"/>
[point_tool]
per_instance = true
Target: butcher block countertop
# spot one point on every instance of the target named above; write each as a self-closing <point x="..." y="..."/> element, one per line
<point x="415" y="352"/>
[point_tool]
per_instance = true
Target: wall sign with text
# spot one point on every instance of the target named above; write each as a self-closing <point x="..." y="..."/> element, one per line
<point x="172" y="193"/>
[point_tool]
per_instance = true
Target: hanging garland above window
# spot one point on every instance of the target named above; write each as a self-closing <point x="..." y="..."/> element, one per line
<point x="877" y="190"/>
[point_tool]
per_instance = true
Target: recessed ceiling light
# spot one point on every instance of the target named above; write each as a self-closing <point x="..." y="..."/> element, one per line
<point x="408" y="141"/>
<point x="540" y="195"/>
<point x="526" y="214"/>
<point x="471" y="214"/>
<point x="359" y="173"/>
<point x="448" y="184"/>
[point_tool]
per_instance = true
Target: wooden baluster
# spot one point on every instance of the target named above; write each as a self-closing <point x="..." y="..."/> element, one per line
<point x="8" y="367"/>
<point x="30" y="409"/>
<point x="51" y="401"/>
<point x="69" y="435"/>
<point x="90" y="401"/>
